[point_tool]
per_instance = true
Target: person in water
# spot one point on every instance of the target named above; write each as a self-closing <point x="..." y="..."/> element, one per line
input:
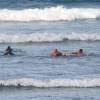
<point x="8" y="51"/>
<point x="80" y="52"/>
<point x="56" y="53"/>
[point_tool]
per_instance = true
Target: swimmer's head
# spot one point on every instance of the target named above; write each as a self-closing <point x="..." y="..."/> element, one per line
<point x="9" y="47"/>
<point x="81" y="50"/>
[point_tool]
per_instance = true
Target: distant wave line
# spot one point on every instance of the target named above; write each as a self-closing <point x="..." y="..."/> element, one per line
<point x="49" y="14"/>
<point x="26" y="82"/>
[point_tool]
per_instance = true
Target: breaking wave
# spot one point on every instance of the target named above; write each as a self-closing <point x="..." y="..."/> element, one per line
<point x="49" y="14"/>
<point x="47" y="37"/>
<point x="26" y="82"/>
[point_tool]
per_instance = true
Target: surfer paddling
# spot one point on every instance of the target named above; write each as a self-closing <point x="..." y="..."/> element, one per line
<point x="8" y="51"/>
<point x="80" y="52"/>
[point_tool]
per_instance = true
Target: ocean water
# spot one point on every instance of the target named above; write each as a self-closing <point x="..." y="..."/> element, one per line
<point x="33" y="28"/>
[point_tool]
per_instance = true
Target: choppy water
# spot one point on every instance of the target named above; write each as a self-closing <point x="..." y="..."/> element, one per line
<point x="33" y="29"/>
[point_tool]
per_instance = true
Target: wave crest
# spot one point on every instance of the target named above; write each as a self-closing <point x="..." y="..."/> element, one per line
<point x="47" y="37"/>
<point x="49" y="14"/>
<point x="51" y="83"/>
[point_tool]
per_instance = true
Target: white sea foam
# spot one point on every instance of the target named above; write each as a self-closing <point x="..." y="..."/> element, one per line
<point x="49" y="14"/>
<point x="46" y="37"/>
<point x="52" y="83"/>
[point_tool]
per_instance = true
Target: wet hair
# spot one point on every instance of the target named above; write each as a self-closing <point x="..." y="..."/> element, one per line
<point x="8" y="46"/>
<point x="81" y="50"/>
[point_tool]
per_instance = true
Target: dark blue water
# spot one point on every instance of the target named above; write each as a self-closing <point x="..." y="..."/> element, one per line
<point x="22" y="4"/>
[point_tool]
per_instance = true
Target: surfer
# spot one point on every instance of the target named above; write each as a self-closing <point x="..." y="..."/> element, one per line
<point x="56" y="53"/>
<point x="80" y="52"/>
<point x="8" y="51"/>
